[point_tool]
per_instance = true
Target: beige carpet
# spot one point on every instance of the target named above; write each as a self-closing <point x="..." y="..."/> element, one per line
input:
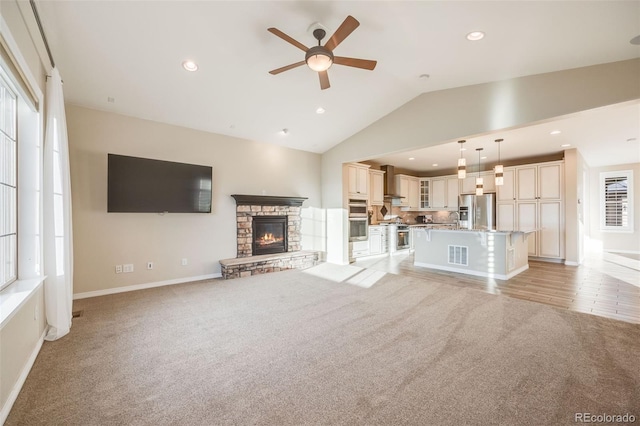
<point x="291" y="348"/>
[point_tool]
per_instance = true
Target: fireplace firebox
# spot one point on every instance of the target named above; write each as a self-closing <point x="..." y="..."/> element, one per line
<point x="269" y="235"/>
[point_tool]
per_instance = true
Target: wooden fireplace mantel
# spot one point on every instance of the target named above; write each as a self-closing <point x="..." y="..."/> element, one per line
<point x="267" y="200"/>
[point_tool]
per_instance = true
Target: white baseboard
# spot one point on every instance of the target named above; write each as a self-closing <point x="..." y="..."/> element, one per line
<point x="143" y="286"/>
<point x="622" y="251"/>
<point x="13" y="395"/>
<point x="571" y="263"/>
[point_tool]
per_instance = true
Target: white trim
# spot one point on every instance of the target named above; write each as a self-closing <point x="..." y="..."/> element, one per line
<point x="144" y="286"/>
<point x="622" y="251"/>
<point x="22" y="65"/>
<point x="571" y="263"/>
<point x="476" y="273"/>
<point x="17" y="387"/>
<point x="601" y="201"/>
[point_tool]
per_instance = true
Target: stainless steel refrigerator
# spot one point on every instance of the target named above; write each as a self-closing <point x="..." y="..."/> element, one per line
<point x="477" y="211"/>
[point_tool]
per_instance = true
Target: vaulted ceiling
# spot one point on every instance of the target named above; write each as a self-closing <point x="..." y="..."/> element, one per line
<point x="126" y="57"/>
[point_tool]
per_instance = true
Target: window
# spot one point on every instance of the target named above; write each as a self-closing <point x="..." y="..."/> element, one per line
<point x="8" y="184"/>
<point x="616" y="198"/>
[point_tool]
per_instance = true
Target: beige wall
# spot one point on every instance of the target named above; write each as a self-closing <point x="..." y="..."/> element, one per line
<point x="437" y="117"/>
<point x="103" y="240"/>
<point x="614" y="241"/>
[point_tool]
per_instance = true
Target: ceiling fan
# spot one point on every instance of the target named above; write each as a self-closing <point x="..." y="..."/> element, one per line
<point x="319" y="58"/>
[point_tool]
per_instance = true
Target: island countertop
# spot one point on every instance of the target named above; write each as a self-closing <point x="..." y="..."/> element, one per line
<point x="489" y="253"/>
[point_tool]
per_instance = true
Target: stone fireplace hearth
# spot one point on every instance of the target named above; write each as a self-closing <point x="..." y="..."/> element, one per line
<point x="268" y="236"/>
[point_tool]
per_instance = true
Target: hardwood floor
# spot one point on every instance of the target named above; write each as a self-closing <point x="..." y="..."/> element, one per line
<point x="607" y="285"/>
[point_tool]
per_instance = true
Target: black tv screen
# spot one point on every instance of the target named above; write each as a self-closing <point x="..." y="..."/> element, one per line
<point x="142" y="185"/>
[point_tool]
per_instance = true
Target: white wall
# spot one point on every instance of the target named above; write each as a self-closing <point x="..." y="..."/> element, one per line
<point x="103" y="240"/>
<point x="438" y="117"/>
<point x="614" y="241"/>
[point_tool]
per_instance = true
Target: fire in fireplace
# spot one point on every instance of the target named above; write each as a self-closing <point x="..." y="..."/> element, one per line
<point x="269" y="235"/>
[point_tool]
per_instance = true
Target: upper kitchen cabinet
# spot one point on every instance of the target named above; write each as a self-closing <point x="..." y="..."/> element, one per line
<point x="425" y="185"/>
<point x="507" y="191"/>
<point x="357" y="180"/>
<point x="444" y="192"/>
<point x="468" y="184"/>
<point x="376" y="187"/>
<point x="408" y="187"/>
<point x="539" y="182"/>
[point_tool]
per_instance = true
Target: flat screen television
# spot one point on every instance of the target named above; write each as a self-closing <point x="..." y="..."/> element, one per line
<point x="142" y="185"/>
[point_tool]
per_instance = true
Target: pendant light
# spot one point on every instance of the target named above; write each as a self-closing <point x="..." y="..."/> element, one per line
<point x="499" y="169"/>
<point x="479" y="181"/>
<point x="462" y="163"/>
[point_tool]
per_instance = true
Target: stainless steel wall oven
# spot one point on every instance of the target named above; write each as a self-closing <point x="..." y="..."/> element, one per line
<point x="358" y="220"/>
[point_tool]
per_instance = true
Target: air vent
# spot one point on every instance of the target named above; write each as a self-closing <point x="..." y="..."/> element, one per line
<point x="458" y="255"/>
<point x="77" y="314"/>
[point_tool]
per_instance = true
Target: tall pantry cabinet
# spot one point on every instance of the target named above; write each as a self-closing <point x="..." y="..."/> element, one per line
<point x="532" y="198"/>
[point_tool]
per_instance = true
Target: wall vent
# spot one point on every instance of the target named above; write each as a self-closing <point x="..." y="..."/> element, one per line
<point x="458" y="255"/>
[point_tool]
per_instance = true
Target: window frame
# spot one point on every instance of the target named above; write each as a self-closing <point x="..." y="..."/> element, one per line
<point x="628" y="175"/>
<point x="7" y="84"/>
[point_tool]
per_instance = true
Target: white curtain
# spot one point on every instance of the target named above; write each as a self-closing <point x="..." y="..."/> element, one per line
<point x="58" y="238"/>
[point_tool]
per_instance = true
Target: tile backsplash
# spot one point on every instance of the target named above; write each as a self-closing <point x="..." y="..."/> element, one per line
<point x="394" y="212"/>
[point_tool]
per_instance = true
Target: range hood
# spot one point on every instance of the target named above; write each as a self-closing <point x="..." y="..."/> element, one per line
<point x="390" y="183"/>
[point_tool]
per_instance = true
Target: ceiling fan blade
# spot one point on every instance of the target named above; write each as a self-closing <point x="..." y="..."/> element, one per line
<point x="353" y="62"/>
<point x="346" y="28"/>
<point x="285" y="37"/>
<point x="324" y="80"/>
<point x="286" y="68"/>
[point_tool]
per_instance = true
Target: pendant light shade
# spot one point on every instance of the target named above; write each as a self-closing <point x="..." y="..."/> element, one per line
<point x="499" y="169"/>
<point x="479" y="180"/>
<point x="462" y="163"/>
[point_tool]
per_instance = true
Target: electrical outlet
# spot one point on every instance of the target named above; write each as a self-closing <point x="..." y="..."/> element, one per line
<point x="118" y="269"/>
<point x="128" y="267"/>
<point x="149" y="265"/>
<point x="184" y="261"/>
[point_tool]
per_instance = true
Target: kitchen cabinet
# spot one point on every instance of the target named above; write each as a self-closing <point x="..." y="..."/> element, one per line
<point x="359" y="248"/>
<point x="377" y="240"/>
<point x="444" y="192"/>
<point x="507" y="191"/>
<point x="408" y="187"/>
<point x="539" y="182"/>
<point x="357" y="180"/>
<point x="376" y="187"/>
<point x="424" y="194"/>
<point x="468" y="184"/>
<point x="532" y="198"/>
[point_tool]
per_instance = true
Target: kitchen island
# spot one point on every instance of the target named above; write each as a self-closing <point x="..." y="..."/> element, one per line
<point x="494" y="254"/>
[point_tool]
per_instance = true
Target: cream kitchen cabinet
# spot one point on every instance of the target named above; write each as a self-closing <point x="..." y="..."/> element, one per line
<point x="468" y="184"/>
<point x="444" y="192"/>
<point x="507" y="191"/>
<point x="377" y="240"/>
<point x="357" y="176"/>
<point x="425" y="189"/>
<point x="408" y="187"/>
<point x="376" y="187"/>
<point x="532" y="198"/>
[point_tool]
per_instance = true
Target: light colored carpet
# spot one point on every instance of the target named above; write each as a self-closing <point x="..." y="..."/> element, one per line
<point x="294" y="348"/>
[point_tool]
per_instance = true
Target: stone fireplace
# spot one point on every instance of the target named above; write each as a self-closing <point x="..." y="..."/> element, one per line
<point x="268" y="236"/>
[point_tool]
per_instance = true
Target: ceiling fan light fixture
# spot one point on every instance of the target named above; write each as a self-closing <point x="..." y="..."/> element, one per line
<point x="319" y="59"/>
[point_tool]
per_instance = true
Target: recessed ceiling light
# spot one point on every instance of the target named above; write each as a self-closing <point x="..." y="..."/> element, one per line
<point x="190" y="66"/>
<point x="412" y="158"/>
<point x="320" y="110"/>
<point x="565" y="145"/>
<point x="635" y="40"/>
<point x="424" y="76"/>
<point x="555" y="132"/>
<point x="111" y="100"/>
<point x="475" y="36"/>
<point x="435" y="164"/>
<point x="632" y="139"/>
<point x="284" y="131"/>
